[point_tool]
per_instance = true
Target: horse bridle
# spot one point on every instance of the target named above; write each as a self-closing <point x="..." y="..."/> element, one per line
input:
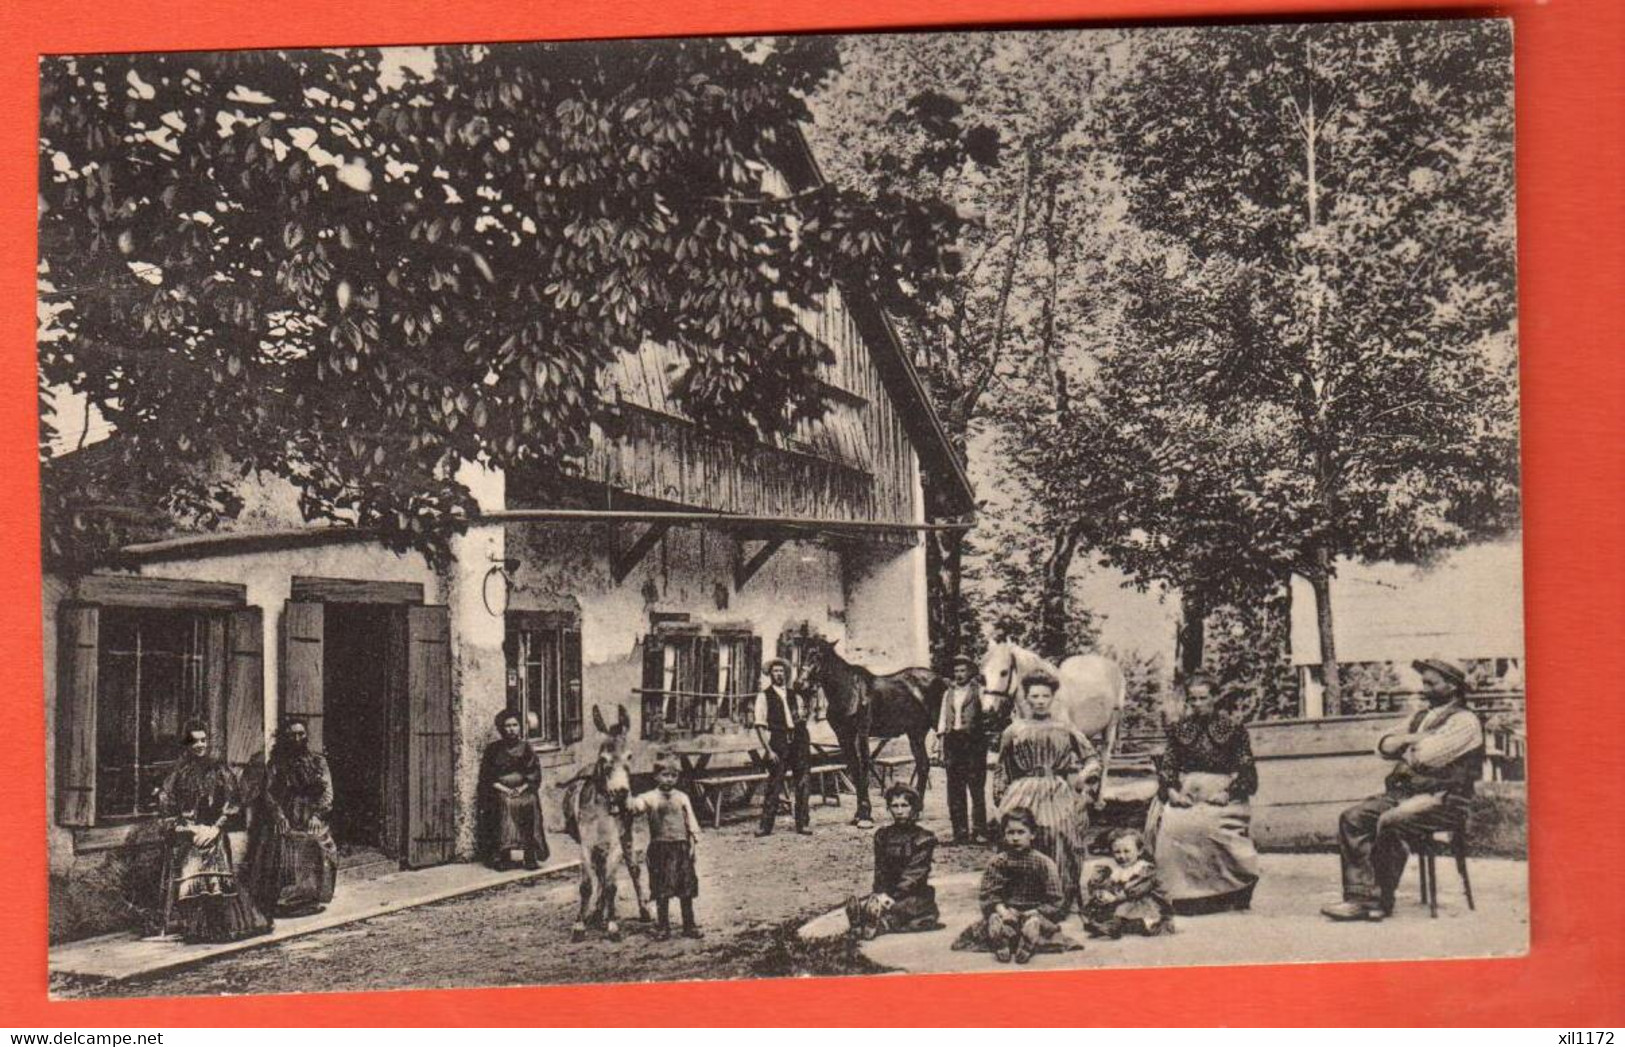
<point x="1001" y="693"/>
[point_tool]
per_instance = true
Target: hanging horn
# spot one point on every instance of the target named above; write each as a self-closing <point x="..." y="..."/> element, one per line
<point x="598" y="721"/>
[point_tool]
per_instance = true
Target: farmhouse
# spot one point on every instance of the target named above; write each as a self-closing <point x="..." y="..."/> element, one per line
<point x="656" y="577"/>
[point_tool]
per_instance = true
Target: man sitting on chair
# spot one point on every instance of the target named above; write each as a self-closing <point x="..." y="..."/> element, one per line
<point x="1437" y="760"/>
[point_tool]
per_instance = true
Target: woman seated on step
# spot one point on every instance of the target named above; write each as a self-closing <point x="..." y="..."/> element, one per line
<point x="903" y="898"/>
<point x="1200" y="825"/>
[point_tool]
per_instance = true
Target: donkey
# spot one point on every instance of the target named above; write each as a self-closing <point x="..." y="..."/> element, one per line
<point x="596" y="817"/>
<point x="1091" y="697"/>
<point x="861" y="705"/>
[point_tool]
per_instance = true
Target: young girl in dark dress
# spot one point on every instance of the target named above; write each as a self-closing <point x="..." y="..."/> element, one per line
<point x="674" y="833"/>
<point x="902" y="899"/>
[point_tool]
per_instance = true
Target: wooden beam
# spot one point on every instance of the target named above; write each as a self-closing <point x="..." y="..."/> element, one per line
<point x="353" y="590"/>
<point x="746" y="569"/>
<point x="166" y="593"/>
<point x="629" y="558"/>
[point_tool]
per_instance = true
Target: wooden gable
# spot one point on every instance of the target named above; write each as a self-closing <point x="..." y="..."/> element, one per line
<point x="857" y="462"/>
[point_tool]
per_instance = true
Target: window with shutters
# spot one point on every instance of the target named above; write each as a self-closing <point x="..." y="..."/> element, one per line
<point x="697" y="681"/>
<point x="544" y="675"/>
<point x="137" y="659"/>
<point x="149" y="683"/>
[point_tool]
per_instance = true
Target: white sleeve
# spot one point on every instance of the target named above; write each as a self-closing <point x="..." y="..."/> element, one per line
<point x="1455" y="738"/>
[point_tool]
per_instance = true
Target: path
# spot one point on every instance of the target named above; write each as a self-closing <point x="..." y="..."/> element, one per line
<point x="1283" y="926"/>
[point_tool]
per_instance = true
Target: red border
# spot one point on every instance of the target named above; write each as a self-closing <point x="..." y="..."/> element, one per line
<point x="1571" y="97"/>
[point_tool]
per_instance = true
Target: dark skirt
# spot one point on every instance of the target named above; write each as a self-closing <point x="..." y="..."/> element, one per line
<point x="294" y="872"/>
<point x="209" y="904"/>
<point x="517" y="825"/>
<point x="990" y="933"/>
<point x="671" y="870"/>
<point x="907" y="915"/>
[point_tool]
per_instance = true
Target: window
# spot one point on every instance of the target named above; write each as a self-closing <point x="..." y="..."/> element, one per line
<point x="137" y="658"/>
<point x="544" y="675"/>
<point x="149" y="683"/>
<point x="695" y="682"/>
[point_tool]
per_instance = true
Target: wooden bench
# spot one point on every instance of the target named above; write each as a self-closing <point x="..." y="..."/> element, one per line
<point x="881" y="768"/>
<point x="712" y="786"/>
<point x="830" y="774"/>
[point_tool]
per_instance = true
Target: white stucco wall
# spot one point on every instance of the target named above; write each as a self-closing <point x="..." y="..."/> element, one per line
<point x="1467" y="605"/>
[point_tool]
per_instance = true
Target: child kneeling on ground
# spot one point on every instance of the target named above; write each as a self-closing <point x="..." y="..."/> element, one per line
<point x="903" y="898"/>
<point x="1023" y="901"/>
<point x="674" y="833"/>
<point x="1123" y="896"/>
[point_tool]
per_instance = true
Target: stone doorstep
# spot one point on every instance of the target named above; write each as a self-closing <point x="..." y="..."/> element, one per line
<point x="120" y="956"/>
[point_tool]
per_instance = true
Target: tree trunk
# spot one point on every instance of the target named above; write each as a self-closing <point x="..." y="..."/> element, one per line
<point x="1053" y="612"/>
<point x="1188" y="643"/>
<point x="942" y="615"/>
<point x="1320" y="580"/>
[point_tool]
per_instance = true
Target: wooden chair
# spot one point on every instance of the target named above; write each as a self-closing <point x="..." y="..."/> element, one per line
<point x="1426" y="848"/>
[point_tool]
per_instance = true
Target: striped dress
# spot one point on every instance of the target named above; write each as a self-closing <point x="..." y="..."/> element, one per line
<point x="1038" y="762"/>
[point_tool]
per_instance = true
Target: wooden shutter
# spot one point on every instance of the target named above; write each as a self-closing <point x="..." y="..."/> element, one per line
<point x="213" y="678"/>
<point x="749" y="677"/>
<point x="430" y="790"/>
<point x="303" y="633"/>
<point x="245" y="691"/>
<point x="702" y="711"/>
<point x="654" y="678"/>
<point x="570" y="701"/>
<point x="77" y="640"/>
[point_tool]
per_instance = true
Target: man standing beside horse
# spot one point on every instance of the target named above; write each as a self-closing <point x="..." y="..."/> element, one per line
<point x="781" y="723"/>
<point x="962" y="732"/>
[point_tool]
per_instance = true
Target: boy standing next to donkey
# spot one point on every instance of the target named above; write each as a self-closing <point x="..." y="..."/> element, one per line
<point x="674" y="833"/>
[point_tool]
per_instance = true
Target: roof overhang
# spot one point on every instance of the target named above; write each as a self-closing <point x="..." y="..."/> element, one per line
<point x="902" y="380"/>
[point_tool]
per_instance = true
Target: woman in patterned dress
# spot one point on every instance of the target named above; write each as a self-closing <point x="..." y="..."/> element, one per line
<point x="201" y="889"/>
<point x="1200" y="824"/>
<point x="1053" y="771"/>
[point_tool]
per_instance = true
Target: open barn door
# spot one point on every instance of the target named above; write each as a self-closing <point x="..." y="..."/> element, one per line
<point x="430" y="790"/>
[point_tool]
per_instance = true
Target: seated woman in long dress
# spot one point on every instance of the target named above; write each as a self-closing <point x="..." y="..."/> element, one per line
<point x="202" y="895"/>
<point x="1200" y="824"/>
<point x="510" y="798"/>
<point x="903" y="898"/>
<point x="293" y="862"/>
<point x="1047" y="767"/>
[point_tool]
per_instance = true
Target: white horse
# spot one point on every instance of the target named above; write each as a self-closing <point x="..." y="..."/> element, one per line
<point x="1090" y="698"/>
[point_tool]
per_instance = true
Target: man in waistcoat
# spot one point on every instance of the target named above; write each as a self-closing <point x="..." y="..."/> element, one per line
<point x="1437" y="761"/>
<point x="962" y="734"/>
<point x="781" y="724"/>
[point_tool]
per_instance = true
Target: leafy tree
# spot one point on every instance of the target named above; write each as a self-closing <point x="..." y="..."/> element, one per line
<point x="1338" y="280"/>
<point x="1001" y="126"/>
<point x="359" y="273"/>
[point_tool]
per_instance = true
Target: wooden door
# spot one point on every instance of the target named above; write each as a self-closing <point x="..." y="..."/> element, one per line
<point x="430" y="788"/>
<point x="393" y="841"/>
<point x="303" y="635"/>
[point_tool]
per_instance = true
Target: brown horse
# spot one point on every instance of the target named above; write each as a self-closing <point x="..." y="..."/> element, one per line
<point x="595" y="816"/>
<point x="861" y="705"/>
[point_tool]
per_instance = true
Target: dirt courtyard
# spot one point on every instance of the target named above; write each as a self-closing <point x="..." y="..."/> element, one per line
<point x="755" y="894"/>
